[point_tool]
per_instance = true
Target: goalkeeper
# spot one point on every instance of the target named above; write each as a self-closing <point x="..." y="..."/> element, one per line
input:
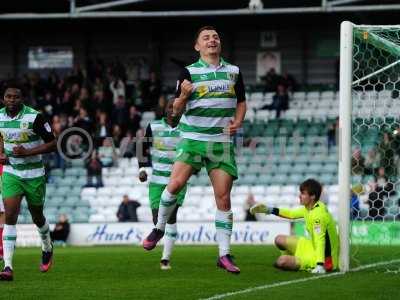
<point x="320" y="253"/>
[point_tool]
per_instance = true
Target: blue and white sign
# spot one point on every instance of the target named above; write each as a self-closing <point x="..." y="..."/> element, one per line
<point x="133" y="233"/>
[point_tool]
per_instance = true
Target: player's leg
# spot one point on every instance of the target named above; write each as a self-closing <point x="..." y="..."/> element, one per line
<point x="221" y="167"/>
<point x="35" y="191"/>
<point x="42" y="225"/>
<point x="180" y="174"/>
<point x="222" y="185"/>
<point x="301" y="253"/>
<point x="288" y="262"/>
<point x="171" y="230"/>
<point x="170" y="236"/>
<point x="11" y="207"/>
<point x="286" y="243"/>
<point x="155" y="191"/>
<point x="12" y="192"/>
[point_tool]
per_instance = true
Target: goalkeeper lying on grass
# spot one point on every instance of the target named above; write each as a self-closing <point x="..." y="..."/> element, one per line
<point x="320" y="253"/>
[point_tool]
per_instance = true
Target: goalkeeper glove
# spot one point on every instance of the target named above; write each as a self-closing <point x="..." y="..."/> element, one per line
<point x="319" y="269"/>
<point x="260" y="208"/>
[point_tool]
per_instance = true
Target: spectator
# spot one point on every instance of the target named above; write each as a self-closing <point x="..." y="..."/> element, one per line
<point x="387" y="150"/>
<point x="375" y="202"/>
<point x="103" y="128"/>
<point x="94" y="169"/>
<point x="371" y="162"/>
<point x="116" y="135"/>
<point x="271" y="80"/>
<point x="83" y="121"/>
<point x="332" y="134"/>
<point x="356" y="190"/>
<point x="46" y="105"/>
<point x="107" y="153"/>
<point x="117" y="87"/>
<point x="357" y="162"/>
<point x="160" y="109"/>
<point x="280" y="101"/>
<point x="134" y="119"/>
<point x="120" y="113"/>
<point x="61" y="230"/>
<point x="249" y="203"/>
<point x="127" y="146"/>
<point x="289" y="82"/>
<point x="381" y="178"/>
<point x="381" y="189"/>
<point x="101" y="102"/>
<point x="127" y="210"/>
<point x="98" y="86"/>
<point x="57" y="129"/>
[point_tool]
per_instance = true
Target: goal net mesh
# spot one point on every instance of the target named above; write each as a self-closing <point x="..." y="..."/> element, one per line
<point x="375" y="163"/>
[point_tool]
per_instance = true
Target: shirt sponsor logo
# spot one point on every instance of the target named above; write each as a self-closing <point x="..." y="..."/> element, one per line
<point x="20" y="137"/>
<point x="224" y="87"/>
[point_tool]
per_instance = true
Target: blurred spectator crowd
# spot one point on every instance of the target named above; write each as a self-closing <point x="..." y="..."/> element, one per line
<point x="104" y="99"/>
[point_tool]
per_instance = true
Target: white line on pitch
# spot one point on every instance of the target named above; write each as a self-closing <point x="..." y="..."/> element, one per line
<point x="268" y="286"/>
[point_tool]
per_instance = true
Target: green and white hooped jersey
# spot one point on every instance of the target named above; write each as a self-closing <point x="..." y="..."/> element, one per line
<point x="163" y="150"/>
<point x="19" y="131"/>
<point x="213" y="102"/>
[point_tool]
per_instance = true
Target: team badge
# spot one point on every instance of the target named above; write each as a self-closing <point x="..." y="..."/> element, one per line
<point x="232" y="76"/>
<point x="24" y="125"/>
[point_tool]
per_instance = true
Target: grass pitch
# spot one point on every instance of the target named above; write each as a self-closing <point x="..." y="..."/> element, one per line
<point x="131" y="273"/>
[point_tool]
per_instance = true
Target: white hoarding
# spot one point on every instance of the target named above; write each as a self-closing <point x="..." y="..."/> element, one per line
<point x="133" y="233"/>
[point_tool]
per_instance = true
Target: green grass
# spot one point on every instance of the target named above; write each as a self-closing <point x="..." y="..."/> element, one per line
<point x="131" y="273"/>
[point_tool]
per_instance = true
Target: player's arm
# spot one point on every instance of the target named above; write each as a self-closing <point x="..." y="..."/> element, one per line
<point x="184" y="89"/>
<point x="145" y="160"/>
<point x="241" y="106"/>
<point x="43" y="129"/>
<point x="286" y="213"/>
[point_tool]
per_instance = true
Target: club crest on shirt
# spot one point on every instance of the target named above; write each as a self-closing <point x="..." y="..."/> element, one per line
<point x="24" y="125"/>
<point x="232" y="76"/>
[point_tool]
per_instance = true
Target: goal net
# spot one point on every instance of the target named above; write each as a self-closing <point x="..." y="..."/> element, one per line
<point x="369" y="160"/>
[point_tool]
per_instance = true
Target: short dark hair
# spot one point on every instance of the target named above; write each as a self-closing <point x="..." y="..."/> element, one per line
<point x="207" y="27"/>
<point x="12" y="84"/>
<point x="313" y="188"/>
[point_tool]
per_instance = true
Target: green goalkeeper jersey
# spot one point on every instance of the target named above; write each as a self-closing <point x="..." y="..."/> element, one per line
<point x="321" y="227"/>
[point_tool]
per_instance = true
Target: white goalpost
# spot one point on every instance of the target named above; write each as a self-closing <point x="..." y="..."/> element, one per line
<point x="345" y="87"/>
